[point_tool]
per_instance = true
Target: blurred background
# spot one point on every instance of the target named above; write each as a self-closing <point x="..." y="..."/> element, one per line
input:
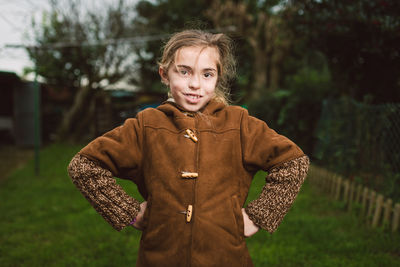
<point x="325" y="73"/>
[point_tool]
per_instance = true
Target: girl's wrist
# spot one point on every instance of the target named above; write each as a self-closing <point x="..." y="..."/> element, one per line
<point x="133" y="221"/>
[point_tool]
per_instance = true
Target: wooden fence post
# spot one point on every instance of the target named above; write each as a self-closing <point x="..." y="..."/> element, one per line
<point x="378" y="211"/>
<point x="358" y="195"/>
<point x="338" y="187"/>
<point x="333" y="186"/>
<point x="396" y="217"/>
<point x="371" y="203"/>
<point x="351" y="196"/>
<point x="364" y="201"/>
<point x="387" y="212"/>
<point x="346" y="191"/>
<point x="326" y="184"/>
<point x="325" y="179"/>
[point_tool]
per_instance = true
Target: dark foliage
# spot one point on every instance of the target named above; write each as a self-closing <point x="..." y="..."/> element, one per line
<point x="361" y="40"/>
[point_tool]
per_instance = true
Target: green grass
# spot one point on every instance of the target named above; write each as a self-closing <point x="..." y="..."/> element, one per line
<point x="318" y="232"/>
<point x="46" y="222"/>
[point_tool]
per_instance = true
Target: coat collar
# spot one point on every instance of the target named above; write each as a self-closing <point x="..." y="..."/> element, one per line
<point x="170" y="107"/>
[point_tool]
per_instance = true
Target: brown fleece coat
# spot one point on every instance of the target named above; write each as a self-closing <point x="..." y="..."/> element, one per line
<point x="227" y="147"/>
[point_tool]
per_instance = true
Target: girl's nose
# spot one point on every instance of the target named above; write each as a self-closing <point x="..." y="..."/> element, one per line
<point x="194" y="82"/>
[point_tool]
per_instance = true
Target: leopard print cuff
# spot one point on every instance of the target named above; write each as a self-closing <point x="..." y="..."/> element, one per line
<point x="282" y="186"/>
<point x="100" y="188"/>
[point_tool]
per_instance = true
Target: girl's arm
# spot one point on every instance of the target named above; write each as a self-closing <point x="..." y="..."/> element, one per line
<point x="100" y="188"/>
<point x="277" y="196"/>
<point x="287" y="167"/>
<point x="118" y="153"/>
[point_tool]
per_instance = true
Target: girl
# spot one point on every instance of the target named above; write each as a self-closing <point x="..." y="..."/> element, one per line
<point x="193" y="159"/>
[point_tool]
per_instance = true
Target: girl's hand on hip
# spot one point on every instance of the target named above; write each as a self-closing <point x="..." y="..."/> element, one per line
<point x="249" y="227"/>
<point x="139" y="218"/>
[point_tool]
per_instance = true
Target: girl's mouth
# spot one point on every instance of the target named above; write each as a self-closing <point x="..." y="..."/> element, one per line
<point x="193" y="98"/>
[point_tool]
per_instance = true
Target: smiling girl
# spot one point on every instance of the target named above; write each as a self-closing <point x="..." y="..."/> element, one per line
<point x="193" y="159"/>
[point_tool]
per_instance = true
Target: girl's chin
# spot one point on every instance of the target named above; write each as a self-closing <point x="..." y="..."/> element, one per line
<point x="192" y="106"/>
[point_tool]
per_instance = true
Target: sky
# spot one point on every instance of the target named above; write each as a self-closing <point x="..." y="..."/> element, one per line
<point x="15" y="25"/>
<point x="15" y="19"/>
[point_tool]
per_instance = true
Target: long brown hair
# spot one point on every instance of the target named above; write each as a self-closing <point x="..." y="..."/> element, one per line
<point x="226" y="65"/>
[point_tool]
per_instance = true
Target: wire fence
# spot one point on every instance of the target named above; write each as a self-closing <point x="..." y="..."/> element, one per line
<point x="361" y="142"/>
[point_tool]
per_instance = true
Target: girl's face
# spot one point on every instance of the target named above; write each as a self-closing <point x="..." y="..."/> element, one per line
<point x="192" y="77"/>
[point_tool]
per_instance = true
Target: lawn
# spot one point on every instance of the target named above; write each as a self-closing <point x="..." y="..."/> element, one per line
<point x="46" y="222"/>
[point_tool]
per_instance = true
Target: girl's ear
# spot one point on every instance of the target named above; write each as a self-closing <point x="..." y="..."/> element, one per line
<point x="163" y="75"/>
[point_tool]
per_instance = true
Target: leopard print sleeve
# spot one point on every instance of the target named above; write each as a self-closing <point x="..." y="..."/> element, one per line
<point x="100" y="188"/>
<point x="282" y="186"/>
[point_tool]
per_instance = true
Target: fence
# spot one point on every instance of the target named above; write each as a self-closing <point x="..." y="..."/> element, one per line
<point x="372" y="207"/>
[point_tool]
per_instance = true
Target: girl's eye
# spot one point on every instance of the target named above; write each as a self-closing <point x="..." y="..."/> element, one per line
<point x="183" y="72"/>
<point x="208" y="74"/>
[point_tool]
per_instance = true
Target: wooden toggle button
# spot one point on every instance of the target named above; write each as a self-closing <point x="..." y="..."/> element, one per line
<point x="189" y="175"/>
<point x="192" y="135"/>
<point x="189" y="114"/>
<point x="189" y="213"/>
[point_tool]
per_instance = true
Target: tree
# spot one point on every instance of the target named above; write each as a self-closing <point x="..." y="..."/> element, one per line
<point x="360" y="39"/>
<point x="267" y="39"/>
<point x="158" y="19"/>
<point x="253" y="25"/>
<point x="82" y="48"/>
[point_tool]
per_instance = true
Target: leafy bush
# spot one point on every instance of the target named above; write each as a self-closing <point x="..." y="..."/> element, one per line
<point x="294" y="110"/>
